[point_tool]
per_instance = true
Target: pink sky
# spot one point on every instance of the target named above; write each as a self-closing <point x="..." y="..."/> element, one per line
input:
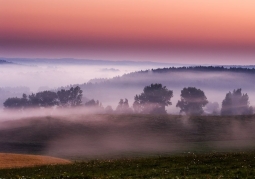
<point x="130" y="30"/>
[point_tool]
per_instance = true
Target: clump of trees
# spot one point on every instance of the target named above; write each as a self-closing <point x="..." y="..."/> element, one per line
<point x="70" y="98"/>
<point x="192" y="101"/>
<point x="153" y="100"/>
<point x="123" y="107"/>
<point x="236" y="103"/>
<point x="62" y="98"/>
<point x="95" y="105"/>
<point x="16" y="103"/>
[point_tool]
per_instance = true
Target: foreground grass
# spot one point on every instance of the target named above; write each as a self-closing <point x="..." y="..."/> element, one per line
<point x="213" y="165"/>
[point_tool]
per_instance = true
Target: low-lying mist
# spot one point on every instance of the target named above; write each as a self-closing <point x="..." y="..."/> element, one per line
<point x="109" y="92"/>
<point x="91" y="132"/>
<point x="41" y="74"/>
<point x="214" y="84"/>
<point x="77" y="133"/>
<point x="28" y="76"/>
<point x="53" y="76"/>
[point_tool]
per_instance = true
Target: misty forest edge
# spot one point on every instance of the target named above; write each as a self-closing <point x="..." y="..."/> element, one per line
<point x="152" y="100"/>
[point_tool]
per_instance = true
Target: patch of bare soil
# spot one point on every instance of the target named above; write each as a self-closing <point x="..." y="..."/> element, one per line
<point x="8" y="160"/>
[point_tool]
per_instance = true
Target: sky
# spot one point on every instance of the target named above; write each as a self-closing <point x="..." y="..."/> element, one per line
<point x="175" y="31"/>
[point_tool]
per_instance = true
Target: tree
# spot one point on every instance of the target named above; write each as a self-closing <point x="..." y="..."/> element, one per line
<point x="33" y="101"/>
<point x="46" y="98"/>
<point x="192" y="101"/>
<point x="63" y="97"/>
<point x="123" y="107"/>
<point x="236" y="103"/>
<point x="43" y="99"/>
<point x="153" y="100"/>
<point x="93" y="103"/>
<point x="75" y="96"/>
<point x="16" y="103"/>
<point x="70" y="98"/>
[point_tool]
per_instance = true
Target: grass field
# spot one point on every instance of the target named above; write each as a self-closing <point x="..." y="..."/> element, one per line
<point x="130" y="146"/>
<point x="100" y="134"/>
<point x="211" y="165"/>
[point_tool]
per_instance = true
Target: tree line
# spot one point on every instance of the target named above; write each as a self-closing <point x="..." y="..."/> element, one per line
<point x="153" y="100"/>
<point x="61" y="98"/>
<point x="156" y="97"/>
<point x="205" y="69"/>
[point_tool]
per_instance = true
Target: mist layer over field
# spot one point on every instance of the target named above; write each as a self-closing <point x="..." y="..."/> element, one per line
<point x="214" y="84"/>
<point x="45" y="77"/>
<point x="20" y="76"/>
<point x="40" y="74"/>
<point x="109" y="88"/>
<point x="92" y="133"/>
<point x="87" y="135"/>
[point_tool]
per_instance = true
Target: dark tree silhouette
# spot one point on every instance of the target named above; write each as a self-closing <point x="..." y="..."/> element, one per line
<point x="75" y="96"/>
<point x="93" y="103"/>
<point x="13" y="103"/>
<point x="123" y="107"/>
<point x="154" y="99"/>
<point x="16" y="103"/>
<point x="63" y="97"/>
<point x="33" y="101"/>
<point x="192" y="101"/>
<point x="236" y="103"/>
<point x="46" y="99"/>
<point x="70" y="98"/>
<point x="43" y="99"/>
<point x="95" y="106"/>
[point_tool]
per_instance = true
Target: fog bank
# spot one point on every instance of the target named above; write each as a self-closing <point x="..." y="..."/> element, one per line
<point x="80" y="134"/>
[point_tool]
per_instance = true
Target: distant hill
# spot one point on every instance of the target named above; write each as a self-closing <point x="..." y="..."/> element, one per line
<point x="215" y="81"/>
<point x="4" y="62"/>
<point x="71" y="61"/>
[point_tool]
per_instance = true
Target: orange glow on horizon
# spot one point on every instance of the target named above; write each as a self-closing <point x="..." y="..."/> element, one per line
<point x="146" y="21"/>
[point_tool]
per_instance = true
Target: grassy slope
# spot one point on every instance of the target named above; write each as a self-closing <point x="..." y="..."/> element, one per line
<point x="204" y="131"/>
<point x="212" y="165"/>
<point x="189" y="134"/>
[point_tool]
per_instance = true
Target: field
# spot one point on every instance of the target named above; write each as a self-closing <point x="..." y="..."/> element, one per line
<point x="211" y="165"/>
<point x="94" y="136"/>
<point x="132" y="146"/>
<point x="21" y="160"/>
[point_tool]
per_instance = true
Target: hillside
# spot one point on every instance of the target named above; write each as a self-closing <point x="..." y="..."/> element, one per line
<point x="90" y="136"/>
<point x="214" y="81"/>
<point x="188" y="165"/>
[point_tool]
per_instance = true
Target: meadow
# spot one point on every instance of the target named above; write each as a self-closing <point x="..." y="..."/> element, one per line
<point x="132" y="146"/>
<point x="188" y="165"/>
